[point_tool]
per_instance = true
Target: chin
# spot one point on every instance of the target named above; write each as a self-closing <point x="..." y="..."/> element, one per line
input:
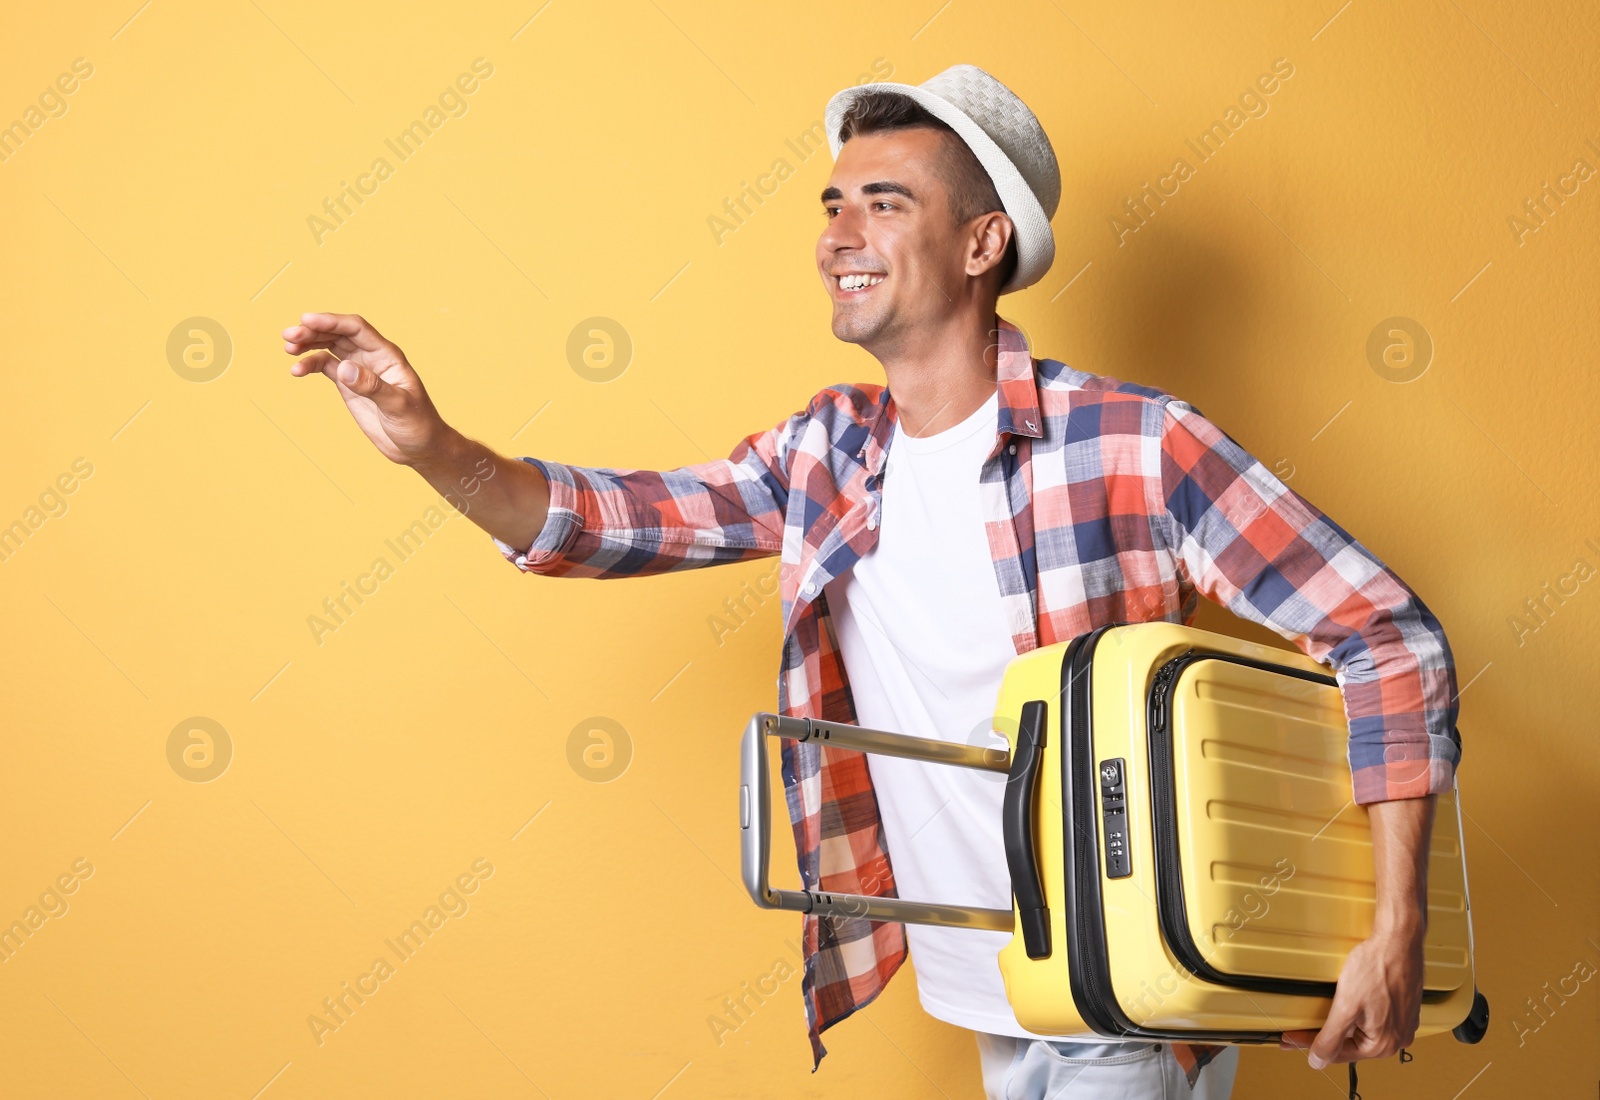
<point x="855" y="328"/>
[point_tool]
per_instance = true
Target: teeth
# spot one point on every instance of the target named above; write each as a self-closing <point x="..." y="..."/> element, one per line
<point x="856" y="282"/>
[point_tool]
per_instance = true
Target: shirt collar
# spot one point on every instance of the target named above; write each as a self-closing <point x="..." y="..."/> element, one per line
<point x="1018" y="392"/>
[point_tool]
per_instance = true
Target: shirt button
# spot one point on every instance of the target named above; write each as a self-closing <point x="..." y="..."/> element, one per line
<point x="872" y="523"/>
<point x="811" y="588"/>
<point x="1013" y="448"/>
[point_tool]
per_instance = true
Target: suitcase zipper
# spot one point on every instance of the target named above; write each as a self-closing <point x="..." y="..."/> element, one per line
<point x="1158" y="690"/>
<point x="1088" y="966"/>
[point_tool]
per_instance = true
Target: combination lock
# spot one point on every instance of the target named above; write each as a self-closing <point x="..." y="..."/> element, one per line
<point x="1114" y="818"/>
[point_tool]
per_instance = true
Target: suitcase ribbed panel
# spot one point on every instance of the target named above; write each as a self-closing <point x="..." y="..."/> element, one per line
<point x="1276" y="858"/>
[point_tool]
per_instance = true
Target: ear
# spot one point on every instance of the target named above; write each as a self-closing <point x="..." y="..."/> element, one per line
<point x="989" y="234"/>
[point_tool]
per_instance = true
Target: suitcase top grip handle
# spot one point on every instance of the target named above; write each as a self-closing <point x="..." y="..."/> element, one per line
<point x="1022" y="785"/>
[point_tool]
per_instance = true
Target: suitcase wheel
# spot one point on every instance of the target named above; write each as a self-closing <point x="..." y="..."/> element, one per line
<point x="1472" y="1028"/>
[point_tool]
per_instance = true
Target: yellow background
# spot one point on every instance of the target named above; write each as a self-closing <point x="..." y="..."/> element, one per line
<point x="432" y="728"/>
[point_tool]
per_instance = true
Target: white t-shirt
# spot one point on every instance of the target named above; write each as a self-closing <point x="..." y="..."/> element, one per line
<point x="925" y="643"/>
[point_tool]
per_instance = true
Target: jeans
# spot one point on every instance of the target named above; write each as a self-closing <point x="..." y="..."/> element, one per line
<point x="1040" y="1069"/>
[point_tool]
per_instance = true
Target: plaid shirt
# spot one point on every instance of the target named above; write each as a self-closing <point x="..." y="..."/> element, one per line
<point x="1105" y="501"/>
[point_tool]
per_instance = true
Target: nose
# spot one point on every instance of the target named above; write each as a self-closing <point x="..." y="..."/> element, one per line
<point x="843" y="231"/>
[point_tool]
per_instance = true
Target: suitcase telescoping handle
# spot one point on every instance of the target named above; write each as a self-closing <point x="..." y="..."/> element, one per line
<point x="755" y="820"/>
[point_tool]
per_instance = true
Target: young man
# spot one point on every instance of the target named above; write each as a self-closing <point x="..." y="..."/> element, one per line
<point x="995" y="504"/>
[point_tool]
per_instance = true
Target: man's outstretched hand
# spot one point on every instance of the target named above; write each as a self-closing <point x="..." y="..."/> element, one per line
<point x="507" y="498"/>
<point x="379" y="387"/>
<point x="1377" y="1004"/>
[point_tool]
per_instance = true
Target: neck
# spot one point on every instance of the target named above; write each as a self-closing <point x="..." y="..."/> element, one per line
<point x="941" y="375"/>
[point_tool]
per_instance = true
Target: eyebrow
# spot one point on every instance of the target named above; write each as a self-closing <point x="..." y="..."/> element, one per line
<point x="881" y="187"/>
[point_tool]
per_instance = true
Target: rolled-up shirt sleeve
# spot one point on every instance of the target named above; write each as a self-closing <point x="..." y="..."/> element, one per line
<point x="608" y="522"/>
<point x="1247" y="541"/>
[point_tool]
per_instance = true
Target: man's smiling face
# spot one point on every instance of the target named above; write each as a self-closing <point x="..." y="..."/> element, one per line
<point x="891" y="254"/>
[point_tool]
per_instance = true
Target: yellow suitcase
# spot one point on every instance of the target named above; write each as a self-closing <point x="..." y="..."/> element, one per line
<point x="1218" y="870"/>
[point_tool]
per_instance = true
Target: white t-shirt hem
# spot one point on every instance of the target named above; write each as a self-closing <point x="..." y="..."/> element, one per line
<point x="965" y="1017"/>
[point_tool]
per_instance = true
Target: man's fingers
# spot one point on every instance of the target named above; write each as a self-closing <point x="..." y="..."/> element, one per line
<point x="1380" y="1042"/>
<point x="319" y="362"/>
<point x="1297" y="1040"/>
<point x="1331" y="1040"/>
<point x="359" y="379"/>
<point x="353" y="377"/>
<point x="353" y="325"/>
<point x="305" y="340"/>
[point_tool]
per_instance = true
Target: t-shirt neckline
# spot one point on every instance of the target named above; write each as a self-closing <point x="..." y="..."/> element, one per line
<point x="986" y="413"/>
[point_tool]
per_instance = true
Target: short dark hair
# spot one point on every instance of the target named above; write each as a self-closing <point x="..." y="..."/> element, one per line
<point x="972" y="191"/>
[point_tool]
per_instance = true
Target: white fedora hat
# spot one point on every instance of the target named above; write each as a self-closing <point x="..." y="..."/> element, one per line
<point x="1007" y="140"/>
